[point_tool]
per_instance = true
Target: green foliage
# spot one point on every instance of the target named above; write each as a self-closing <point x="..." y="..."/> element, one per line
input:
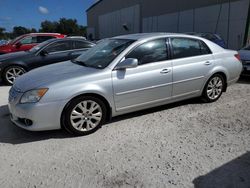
<point x="49" y="27"/>
<point x="64" y="26"/>
<point x="19" y="30"/>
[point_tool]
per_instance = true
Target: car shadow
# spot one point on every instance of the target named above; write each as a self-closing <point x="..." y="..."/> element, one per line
<point x="1" y="83"/>
<point x="235" y="173"/>
<point x="157" y="109"/>
<point x="11" y="134"/>
<point x="244" y="79"/>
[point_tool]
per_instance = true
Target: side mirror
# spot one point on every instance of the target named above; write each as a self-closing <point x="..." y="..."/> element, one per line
<point x="18" y="45"/>
<point x="127" y="63"/>
<point x="44" y="53"/>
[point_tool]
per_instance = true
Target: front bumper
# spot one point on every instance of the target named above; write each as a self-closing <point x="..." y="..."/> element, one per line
<point x="44" y="116"/>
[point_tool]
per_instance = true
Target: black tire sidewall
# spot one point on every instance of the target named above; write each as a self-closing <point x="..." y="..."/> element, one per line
<point x="71" y="105"/>
<point x="6" y="70"/>
<point x="205" y="96"/>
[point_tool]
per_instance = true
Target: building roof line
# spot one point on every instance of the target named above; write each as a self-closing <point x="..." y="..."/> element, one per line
<point x="92" y="6"/>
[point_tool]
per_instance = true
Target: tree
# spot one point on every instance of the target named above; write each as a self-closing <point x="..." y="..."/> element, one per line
<point x="68" y="26"/>
<point x="64" y="26"/>
<point x="48" y="26"/>
<point x="19" y="30"/>
<point x="2" y="34"/>
<point x="33" y="30"/>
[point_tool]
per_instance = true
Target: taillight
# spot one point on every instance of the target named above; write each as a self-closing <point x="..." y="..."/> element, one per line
<point x="237" y="57"/>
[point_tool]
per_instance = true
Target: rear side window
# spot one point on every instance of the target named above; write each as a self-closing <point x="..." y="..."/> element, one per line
<point x="59" y="46"/>
<point x="152" y="51"/>
<point x="29" y="40"/>
<point x="82" y="44"/>
<point x="41" y="39"/>
<point x="184" y="47"/>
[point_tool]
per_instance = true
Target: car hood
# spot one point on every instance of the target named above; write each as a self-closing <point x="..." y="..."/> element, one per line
<point x="14" y="55"/>
<point x="44" y="76"/>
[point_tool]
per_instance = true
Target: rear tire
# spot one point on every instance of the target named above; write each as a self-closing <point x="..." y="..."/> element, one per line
<point x="213" y="88"/>
<point x="84" y="115"/>
<point x="11" y="73"/>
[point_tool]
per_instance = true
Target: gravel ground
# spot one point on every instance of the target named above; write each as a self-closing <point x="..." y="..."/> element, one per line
<point x="187" y="144"/>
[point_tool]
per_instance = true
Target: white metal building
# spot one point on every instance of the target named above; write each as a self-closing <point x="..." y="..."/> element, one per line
<point x="228" y="18"/>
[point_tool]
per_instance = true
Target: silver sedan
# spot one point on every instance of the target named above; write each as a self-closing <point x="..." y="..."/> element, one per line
<point x="121" y="75"/>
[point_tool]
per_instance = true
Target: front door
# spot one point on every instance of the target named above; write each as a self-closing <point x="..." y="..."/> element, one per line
<point x="56" y="52"/>
<point x="149" y="83"/>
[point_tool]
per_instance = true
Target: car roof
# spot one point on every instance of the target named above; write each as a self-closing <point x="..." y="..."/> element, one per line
<point x="142" y="36"/>
<point x="69" y="39"/>
<point x="44" y="34"/>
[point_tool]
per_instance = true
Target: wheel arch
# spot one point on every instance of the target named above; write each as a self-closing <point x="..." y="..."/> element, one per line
<point x="220" y="72"/>
<point x="99" y="96"/>
<point x="16" y="64"/>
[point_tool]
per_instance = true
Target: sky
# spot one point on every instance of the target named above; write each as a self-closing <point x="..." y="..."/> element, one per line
<point x="30" y="13"/>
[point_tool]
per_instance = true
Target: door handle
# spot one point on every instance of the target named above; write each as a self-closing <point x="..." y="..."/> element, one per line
<point x="165" y="71"/>
<point x="207" y="63"/>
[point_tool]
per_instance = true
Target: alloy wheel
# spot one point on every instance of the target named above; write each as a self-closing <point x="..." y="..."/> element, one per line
<point x="12" y="73"/>
<point x="214" y="88"/>
<point x="86" y="115"/>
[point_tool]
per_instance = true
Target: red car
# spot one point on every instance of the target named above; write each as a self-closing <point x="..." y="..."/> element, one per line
<point x="27" y="41"/>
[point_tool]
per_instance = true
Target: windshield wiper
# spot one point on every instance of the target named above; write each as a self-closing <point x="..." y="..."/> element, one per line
<point x="79" y="62"/>
<point x="84" y="64"/>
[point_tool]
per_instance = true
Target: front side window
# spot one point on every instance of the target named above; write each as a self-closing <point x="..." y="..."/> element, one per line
<point x="152" y="51"/>
<point x="184" y="47"/>
<point x="102" y="54"/>
<point x="29" y="40"/>
<point x="59" y="46"/>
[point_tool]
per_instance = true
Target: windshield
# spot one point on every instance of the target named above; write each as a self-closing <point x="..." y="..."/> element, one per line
<point x="101" y="55"/>
<point x="39" y="46"/>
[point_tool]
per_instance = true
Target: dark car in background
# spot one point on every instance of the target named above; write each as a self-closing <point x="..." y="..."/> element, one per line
<point x="27" y="41"/>
<point x="245" y="58"/>
<point x="217" y="39"/>
<point x="51" y="51"/>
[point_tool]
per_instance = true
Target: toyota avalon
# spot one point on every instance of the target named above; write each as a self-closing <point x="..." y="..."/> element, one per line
<point x="121" y="75"/>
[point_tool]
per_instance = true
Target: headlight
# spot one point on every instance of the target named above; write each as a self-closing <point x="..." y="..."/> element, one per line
<point x="33" y="96"/>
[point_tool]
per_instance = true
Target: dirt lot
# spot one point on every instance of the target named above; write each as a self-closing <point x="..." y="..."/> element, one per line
<point x="187" y="144"/>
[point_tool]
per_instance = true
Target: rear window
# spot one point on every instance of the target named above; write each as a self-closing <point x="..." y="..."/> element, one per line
<point x="59" y="46"/>
<point x="41" y="39"/>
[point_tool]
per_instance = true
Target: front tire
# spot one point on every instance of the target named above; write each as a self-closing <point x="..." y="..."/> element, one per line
<point x="11" y="73"/>
<point x="214" y="88"/>
<point x="84" y="115"/>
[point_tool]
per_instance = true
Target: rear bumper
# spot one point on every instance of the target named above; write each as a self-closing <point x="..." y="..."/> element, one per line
<point x="246" y="65"/>
<point x="44" y="116"/>
<point x="232" y="81"/>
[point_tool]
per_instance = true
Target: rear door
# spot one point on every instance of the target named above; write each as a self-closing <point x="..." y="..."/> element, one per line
<point x="192" y="61"/>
